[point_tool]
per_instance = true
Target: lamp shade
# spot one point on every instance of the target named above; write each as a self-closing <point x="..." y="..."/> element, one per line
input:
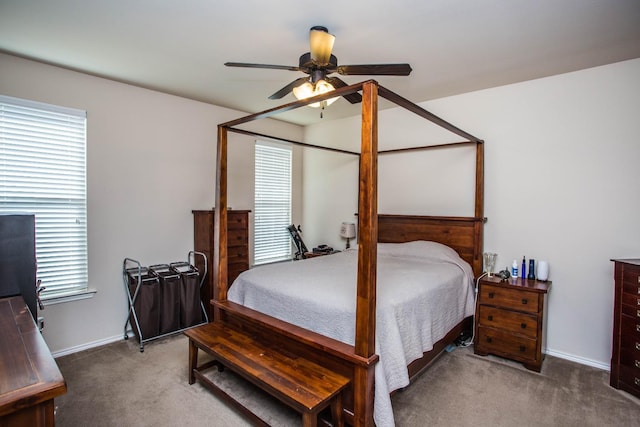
<point x="348" y="230"/>
<point x="321" y="44"/>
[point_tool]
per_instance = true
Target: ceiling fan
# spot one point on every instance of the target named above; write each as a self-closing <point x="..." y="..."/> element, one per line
<point x="318" y="63"/>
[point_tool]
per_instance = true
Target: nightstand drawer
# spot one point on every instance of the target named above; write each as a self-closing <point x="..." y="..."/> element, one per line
<point x="510" y="321"/>
<point x="515" y="299"/>
<point x="503" y="343"/>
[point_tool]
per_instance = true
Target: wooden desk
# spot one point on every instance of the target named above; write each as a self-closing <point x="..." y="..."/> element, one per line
<point x="29" y="376"/>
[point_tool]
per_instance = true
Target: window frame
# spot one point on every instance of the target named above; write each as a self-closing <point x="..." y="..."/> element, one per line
<point x="55" y="190"/>
<point x="280" y="240"/>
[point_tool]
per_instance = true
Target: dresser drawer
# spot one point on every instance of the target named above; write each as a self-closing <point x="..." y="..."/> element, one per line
<point x="237" y="237"/>
<point x="510" y="321"/>
<point x="502" y="343"/>
<point x="630" y="328"/>
<point x="630" y="370"/>
<point x="631" y="284"/>
<point x="630" y="308"/>
<point x="236" y="221"/>
<point x="632" y="300"/>
<point x="237" y="254"/>
<point x="515" y="299"/>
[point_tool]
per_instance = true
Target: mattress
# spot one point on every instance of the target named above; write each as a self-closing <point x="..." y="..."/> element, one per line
<point x="424" y="289"/>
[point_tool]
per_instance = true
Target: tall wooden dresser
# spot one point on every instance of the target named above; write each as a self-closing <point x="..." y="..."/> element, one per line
<point x="237" y="247"/>
<point x="625" y="357"/>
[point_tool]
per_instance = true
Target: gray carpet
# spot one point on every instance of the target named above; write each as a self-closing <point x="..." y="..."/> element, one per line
<point x="116" y="385"/>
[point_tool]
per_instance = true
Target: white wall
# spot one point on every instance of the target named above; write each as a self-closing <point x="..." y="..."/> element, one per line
<point x="561" y="184"/>
<point x="150" y="162"/>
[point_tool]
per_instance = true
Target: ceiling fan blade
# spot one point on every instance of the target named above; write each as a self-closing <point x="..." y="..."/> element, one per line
<point x="375" y="69"/>
<point x="321" y="44"/>
<point x="269" y="66"/>
<point x="288" y="88"/>
<point x="353" y="98"/>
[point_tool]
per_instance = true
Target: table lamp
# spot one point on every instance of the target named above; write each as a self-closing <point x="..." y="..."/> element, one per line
<point x="348" y="231"/>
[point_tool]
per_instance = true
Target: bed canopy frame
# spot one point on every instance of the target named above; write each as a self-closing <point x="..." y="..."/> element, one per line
<point x="464" y="234"/>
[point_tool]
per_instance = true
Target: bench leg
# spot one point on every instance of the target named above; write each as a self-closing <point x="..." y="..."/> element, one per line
<point x="309" y="419"/>
<point x="337" y="417"/>
<point x="193" y="361"/>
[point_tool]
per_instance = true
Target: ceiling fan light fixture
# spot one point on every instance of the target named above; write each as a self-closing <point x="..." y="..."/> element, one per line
<point x="304" y="91"/>
<point x="321" y="45"/>
<point x="307" y="90"/>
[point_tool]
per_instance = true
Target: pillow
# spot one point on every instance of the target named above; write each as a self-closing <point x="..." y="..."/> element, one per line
<point x="418" y="249"/>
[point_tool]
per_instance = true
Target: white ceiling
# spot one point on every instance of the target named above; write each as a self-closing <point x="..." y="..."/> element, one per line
<point x="453" y="46"/>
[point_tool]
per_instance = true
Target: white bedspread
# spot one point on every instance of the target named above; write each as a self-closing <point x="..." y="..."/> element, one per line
<point x="424" y="289"/>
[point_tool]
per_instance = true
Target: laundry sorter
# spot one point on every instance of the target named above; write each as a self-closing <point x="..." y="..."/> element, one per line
<point x="163" y="299"/>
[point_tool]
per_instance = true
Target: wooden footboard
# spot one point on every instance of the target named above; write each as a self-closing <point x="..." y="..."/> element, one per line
<point x="327" y="352"/>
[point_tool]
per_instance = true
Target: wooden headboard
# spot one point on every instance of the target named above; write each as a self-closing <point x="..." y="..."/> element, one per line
<point x="464" y="234"/>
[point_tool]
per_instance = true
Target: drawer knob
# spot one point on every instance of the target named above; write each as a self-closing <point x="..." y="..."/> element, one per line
<point x="523" y="325"/>
<point x="522" y="348"/>
<point x="636" y="381"/>
<point x="638" y="290"/>
<point x="638" y="313"/>
<point x="637" y="328"/>
<point x="489" y="339"/>
<point x="524" y="301"/>
<point x="638" y="346"/>
<point x="490" y="294"/>
<point x="489" y="317"/>
<point x="636" y="363"/>
<point x="638" y="279"/>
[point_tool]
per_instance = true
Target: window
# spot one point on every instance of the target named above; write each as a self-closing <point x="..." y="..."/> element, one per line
<point x="43" y="172"/>
<point x="272" y="211"/>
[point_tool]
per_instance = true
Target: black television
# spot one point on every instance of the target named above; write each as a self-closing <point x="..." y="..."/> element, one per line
<point x="18" y="258"/>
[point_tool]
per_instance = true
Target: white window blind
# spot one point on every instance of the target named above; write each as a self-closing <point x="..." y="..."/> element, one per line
<point x="43" y="172"/>
<point x="272" y="211"/>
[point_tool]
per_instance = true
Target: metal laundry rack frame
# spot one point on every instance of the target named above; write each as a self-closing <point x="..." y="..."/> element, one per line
<point x="132" y="299"/>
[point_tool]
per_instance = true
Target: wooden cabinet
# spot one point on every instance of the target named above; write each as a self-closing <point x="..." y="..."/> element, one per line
<point x="510" y="319"/>
<point x="625" y="355"/>
<point x="237" y="247"/>
<point x="29" y="376"/>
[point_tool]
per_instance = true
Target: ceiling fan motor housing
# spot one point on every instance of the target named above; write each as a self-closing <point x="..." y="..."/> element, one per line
<point x="308" y="65"/>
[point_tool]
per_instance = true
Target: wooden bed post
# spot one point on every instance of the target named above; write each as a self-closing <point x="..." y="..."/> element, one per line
<point x="220" y="285"/>
<point x="479" y="208"/>
<point x="365" y="342"/>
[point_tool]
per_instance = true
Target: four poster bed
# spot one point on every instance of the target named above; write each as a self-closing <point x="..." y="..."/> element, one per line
<point x="353" y="350"/>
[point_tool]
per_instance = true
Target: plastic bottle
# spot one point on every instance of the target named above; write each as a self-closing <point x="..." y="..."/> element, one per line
<point x="523" y="269"/>
<point x="514" y="269"/>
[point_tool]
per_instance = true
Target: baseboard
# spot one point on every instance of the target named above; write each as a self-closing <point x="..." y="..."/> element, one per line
<point x="87" y="346"/>
<point x="554" y="353"/>
<point x="580" y="360"/>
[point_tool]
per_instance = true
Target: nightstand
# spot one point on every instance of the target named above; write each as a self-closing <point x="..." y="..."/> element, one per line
<point x="510" y="319"/>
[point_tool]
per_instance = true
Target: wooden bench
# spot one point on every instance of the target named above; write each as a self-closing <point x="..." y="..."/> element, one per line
<point x="299" y="383"/>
